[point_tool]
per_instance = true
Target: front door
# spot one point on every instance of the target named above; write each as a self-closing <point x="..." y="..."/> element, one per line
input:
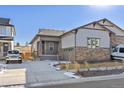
<point x="51" y="48"/>
<point x="5" y="48"/>
<point x="43" y="47"/>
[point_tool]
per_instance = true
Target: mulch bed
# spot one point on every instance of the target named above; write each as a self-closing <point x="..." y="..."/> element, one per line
<point x="100" y="73"/>
<point x="103" y="61"/>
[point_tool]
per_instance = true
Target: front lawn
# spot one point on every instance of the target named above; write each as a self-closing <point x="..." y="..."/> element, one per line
<point x="71" y="66"/>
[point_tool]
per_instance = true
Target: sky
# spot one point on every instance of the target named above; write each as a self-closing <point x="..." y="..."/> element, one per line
<point x="28" y="19"/>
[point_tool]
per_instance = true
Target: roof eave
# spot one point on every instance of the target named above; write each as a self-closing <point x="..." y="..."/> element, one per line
<point x="106" y="28"/>
<point x="33" y="39"/>
<point x="111" y="23"/>
<point x="92" y="23"/>
<point x="6" y="25"/>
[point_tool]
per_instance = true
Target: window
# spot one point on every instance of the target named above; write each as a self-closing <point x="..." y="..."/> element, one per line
<point x="115" y="49"/>
<point x="93" y="42"/>
<point x="5" y="30"/>
<point x="13" y="52"/>
<point x="51" y="46"/>
<point x="121" y="50"/>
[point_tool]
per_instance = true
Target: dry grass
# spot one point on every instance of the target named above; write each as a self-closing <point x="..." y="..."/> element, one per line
<point x="93" y="65"/>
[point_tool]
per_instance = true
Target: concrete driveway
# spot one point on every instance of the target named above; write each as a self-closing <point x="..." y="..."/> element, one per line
<point x="39" y="72"/>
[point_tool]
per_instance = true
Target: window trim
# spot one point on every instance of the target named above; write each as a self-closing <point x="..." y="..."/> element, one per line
<point x="91" y="44"/>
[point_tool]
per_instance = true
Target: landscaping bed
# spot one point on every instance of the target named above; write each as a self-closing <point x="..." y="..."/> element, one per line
<point x="99" y="73"/>
<point x="90" y="69"/>
<point x="71" y="66"/>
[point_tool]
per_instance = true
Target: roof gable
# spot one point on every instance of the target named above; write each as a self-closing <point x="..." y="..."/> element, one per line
<point x="111" y="26"/>
<point x="93" y="25"/>
<point x="102" y="24"/>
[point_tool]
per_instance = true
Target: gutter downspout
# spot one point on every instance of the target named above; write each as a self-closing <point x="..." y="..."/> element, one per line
<point x="75" y="45"/>
<point x="110" y="35"/>
<point x="77" y="66"/>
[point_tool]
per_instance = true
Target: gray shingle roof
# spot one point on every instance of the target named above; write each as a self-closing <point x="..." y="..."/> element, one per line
<point x="4" y="21"/>
<point x="50" y="32"/>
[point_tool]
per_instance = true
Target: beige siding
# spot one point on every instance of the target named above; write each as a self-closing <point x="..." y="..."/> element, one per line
<point x="67" y="40"/>
<point x="83" y="34"/>
<point x="34" y="44"/>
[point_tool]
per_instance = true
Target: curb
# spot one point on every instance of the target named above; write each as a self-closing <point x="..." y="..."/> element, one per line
<point x="97" y="78"/>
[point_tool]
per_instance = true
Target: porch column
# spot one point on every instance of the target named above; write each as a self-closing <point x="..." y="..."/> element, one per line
<point x="45" y="45"/>
<point x="1" y="49"/>
<point x="40" y="48"/>
<point x="12" y="45"/>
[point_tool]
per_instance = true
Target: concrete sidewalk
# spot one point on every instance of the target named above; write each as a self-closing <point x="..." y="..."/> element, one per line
<point x="13" y="77"/>
<point x="72" y="81"/>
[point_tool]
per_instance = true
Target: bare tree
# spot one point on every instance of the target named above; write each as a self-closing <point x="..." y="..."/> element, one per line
<point x="17" y="44"/>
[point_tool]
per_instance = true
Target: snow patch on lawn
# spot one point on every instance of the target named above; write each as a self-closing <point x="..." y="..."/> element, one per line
<point x="57" y="68"/>
<point x="72" y="75"/>
<point x="58" y="62"/>
<point x="95" y="78"/>
<point x="54" y="63"/>
<point x="2" y="68"/>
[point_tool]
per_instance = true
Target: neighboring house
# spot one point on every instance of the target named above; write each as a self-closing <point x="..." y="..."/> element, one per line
<point x="7" y="32"/>
<point x="90" y="42"/>
<point x="24" y="50"/>
<point x="46" y="44"/>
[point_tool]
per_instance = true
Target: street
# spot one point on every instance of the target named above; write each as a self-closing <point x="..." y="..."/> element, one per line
<point x="115" y="83"/>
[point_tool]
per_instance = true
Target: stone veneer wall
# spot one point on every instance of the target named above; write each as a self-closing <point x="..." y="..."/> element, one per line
<point x="120" y="39"/>
<point x="115" y="40"/>
<point x="66" y="54"/>
<point x="89" y="54"/>
<point x="86" y="54"/>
